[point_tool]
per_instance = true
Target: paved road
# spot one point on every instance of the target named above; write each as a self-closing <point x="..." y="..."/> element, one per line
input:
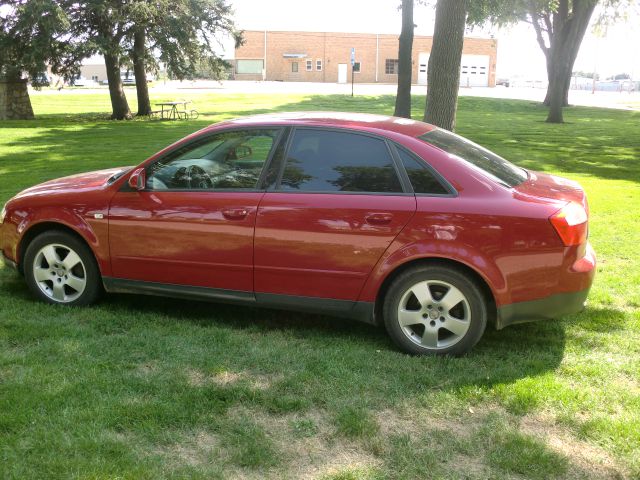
<point x="620" y="100"/>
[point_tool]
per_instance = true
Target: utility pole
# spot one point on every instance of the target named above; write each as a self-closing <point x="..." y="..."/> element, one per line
<point x="352" y="77"/>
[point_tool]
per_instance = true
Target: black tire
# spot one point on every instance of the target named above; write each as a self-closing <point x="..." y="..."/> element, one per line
<point x="92" y="278"/>
<point x="475" y="310"/>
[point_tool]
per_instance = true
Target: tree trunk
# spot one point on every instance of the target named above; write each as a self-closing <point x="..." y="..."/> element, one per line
<point x="564" y="50"/>
<point x="403" y="96"/>
<point x="119" y="105"/>
<point x="137" y="56"/>
<point x="547" y="97"/>
<point x="565" y="29"/>
<point x="15" y="103"/>
<point x="556" y="93"/>
<point x="443" y="73"/>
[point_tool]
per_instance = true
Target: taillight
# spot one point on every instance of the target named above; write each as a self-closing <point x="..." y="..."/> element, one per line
<point x="571" y="224"/>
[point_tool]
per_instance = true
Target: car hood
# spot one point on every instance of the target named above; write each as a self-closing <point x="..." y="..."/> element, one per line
<point x="545" y="186"/>
<point x="74" y="183"/>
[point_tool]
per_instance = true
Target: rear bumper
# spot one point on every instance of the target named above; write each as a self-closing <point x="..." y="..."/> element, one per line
<point x="578" y="277"/>
<point x="547" y="308"/>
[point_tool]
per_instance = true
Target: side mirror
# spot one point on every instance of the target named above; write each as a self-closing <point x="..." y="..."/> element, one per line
<point x="138" y="180"/>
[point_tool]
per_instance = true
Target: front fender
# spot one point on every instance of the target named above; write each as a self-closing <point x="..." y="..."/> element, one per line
<point x="82" y="221"/>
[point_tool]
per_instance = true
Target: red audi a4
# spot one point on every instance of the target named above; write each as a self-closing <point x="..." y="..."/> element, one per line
<point x="381" y="219"/>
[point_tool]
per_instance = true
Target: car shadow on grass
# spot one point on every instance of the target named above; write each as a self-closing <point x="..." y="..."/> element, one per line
<point x="500" y="357"/>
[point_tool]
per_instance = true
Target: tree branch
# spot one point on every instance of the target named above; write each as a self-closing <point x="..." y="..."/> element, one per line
<point x="539" y="36"/>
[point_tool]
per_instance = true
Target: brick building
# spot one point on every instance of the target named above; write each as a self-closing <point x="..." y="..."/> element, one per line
<point x="326" y="57"/>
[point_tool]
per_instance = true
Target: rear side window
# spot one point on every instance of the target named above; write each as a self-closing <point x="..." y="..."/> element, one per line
<point x="422" y="179"/>
<point x="328" y="161"/>
<point x="494" y="165"/>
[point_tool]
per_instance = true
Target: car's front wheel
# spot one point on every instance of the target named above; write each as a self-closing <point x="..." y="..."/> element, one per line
<point x="435" y="310"/>
<point x="60" y="268"/>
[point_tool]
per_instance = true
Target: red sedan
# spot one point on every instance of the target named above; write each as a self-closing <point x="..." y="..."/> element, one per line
<point x="381" y="219"/>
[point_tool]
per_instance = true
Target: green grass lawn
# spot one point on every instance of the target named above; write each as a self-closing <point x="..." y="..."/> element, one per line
<point x="154" y="388"/>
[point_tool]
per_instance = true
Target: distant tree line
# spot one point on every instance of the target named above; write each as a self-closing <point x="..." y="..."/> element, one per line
<point x="59" y="34"/>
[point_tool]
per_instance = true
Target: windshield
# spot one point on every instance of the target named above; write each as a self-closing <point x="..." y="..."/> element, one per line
<point x="487" y="161"/>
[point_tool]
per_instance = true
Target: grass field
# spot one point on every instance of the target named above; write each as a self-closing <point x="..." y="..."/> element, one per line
<point x="152" y="388"/>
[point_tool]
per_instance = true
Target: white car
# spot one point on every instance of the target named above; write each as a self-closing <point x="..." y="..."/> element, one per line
<point x="83" y="82"/>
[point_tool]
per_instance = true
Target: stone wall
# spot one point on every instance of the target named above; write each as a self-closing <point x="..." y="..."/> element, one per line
<point x="14" y="101"/>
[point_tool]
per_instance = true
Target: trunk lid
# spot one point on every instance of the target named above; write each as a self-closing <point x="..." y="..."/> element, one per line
<point x="545" y="186"/>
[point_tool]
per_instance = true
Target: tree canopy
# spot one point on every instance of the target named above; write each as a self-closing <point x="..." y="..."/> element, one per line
<point x="178" y="33"/>
<point x="34" y="34"/>
<point x="183" y="34"/>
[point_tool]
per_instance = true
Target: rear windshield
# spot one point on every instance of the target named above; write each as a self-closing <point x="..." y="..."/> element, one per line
<point x="487" y="161"/>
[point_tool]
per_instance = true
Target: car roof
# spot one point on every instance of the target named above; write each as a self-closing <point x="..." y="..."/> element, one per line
<point x="356" y="121"/>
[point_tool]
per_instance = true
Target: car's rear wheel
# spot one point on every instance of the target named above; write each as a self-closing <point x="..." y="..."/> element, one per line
<point x="435" y="310"/>
<point x="60" y="268"/>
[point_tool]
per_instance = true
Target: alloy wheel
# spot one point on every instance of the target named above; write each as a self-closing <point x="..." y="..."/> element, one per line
<point x="59" y="273"/>
<point x="434" y="314"/>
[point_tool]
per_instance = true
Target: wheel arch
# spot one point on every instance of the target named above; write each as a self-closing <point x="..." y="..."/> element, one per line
<point x="41" y="227"/>
<point x="430" y="261"/>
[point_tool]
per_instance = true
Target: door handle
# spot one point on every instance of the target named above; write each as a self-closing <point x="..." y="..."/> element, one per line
<point x="378" y="218"/>
<point x="235" y="213"/>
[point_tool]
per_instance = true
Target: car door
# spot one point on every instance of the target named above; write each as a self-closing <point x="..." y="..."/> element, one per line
<point x="194" y="222"/>
<point x="335" y="207"/>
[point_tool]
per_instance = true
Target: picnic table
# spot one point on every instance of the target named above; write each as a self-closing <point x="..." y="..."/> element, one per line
<point x="169" y="110"/>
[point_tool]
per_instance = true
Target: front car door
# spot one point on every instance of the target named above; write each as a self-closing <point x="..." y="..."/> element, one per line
<point x="336" y="206"/>
<point x="193" y="224"/>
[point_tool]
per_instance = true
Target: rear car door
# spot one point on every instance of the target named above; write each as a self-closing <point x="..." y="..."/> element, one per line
<point x="335" y="206"/>
<point x="194" y="222"/>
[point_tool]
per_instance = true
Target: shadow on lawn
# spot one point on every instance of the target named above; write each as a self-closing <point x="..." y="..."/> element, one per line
<point x="501" y="356"/>
<point x="334" y="350"/>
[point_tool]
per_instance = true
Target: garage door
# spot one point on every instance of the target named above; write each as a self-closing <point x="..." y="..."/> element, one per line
<point x="474" y="71"/>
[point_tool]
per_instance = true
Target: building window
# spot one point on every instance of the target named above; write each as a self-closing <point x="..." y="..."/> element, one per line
<point x="309" y="65"/>
<point x="356" y="67"/>
<point x="94" y="78"/>
<point x="294" y="67"/>
<point x="391" y="66"/>
<point x="319" y="65"/>
<point x="249" y="66"/>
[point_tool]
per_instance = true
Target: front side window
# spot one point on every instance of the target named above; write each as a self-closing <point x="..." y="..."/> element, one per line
<point x="356" y="67"/>
<point x="309" y="65"/>
<point x="228" y="160"/>
<point x="330" y="161"/>
<point x="494" y="165"/>
<point x="319" y="65"/>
